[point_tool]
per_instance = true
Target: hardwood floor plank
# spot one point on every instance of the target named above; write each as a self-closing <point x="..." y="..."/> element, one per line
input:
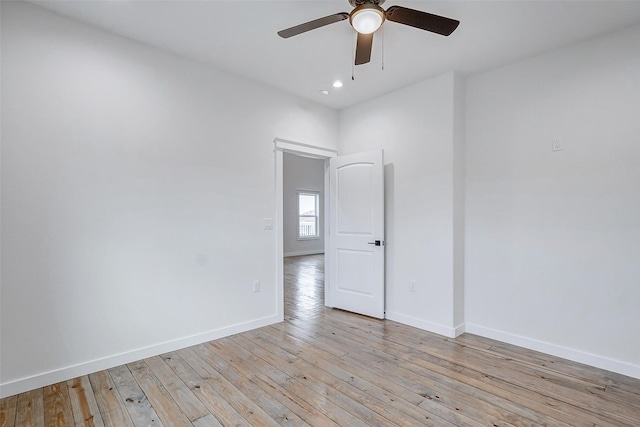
<point x="135" y="400"/>
<point x="83" y="403"/>
<point x="406" y="412"/>
<point x="207" y="421"/>
<point x="243" y="379"/>
<point x="559" y="411"/>
<point x="249" y="409"/>
<point x="607" y="385"/>
<point x="396" y="392"/>
<point x="208" y="395"/>
<point x="567" y="398"/>
<point x="110" y="403"/>
<point x="575" y="393"/>
<point x="325" y="405"/>
<point x="182" y="395"/>
<point x="161" y="401"/>
<point x="57" y="407"/>
<point x="316" y="398"/>
<point x="391" y="373"/>
<point x="273" y="381"/>
<point x="8" y="411"/>
<point x="563" y="366"/>
<point x="448" y="378"/>
<point x="572" y="391"/>
<point x="451" y="371"/>
<point x="30" y="409"/>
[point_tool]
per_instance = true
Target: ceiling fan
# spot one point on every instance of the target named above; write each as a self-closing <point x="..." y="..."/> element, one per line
<point x="367" y="16"/>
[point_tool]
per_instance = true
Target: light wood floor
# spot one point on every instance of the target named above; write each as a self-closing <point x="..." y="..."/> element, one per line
<point x="327" y="367"/>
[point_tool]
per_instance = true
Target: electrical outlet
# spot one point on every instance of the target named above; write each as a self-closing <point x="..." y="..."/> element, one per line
<point x="256" y="286"/>
<point x="412" y="285"/>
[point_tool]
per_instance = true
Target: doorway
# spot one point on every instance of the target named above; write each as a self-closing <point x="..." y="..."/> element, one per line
<point x="354" y="235"/>
<point x="323" y="155"/>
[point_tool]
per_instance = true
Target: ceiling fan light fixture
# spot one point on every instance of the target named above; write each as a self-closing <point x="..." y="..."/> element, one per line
<point x="367" y="18"/>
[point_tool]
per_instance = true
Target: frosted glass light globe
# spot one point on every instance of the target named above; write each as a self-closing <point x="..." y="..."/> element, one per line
<point x="366" y="20"/>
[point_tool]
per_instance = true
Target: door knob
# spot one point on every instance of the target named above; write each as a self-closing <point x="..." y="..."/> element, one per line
<point x="377" y="243"/>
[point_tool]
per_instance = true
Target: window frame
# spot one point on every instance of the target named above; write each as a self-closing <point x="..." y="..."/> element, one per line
<point x="316" y="194"/>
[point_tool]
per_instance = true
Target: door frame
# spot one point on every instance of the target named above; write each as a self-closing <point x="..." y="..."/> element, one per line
<point x="282" y="146"/>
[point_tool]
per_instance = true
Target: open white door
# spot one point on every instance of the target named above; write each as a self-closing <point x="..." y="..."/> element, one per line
<point x="356" y="233"/>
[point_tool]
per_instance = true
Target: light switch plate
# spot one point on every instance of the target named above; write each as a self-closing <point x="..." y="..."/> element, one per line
<point x="268" y="223"/>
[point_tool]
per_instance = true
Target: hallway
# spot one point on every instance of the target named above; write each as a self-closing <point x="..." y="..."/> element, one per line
<point x="304" y="286"/>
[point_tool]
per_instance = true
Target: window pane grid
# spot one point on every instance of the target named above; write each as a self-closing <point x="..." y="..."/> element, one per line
<point x="308" y="215"/>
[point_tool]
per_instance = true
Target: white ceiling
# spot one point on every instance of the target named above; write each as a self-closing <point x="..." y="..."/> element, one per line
<point x="240" y="37"/>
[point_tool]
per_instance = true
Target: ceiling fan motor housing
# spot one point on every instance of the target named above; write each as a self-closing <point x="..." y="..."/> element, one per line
<point x="356" y="3"/>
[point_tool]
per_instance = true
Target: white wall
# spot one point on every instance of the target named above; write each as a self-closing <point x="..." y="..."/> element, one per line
<point x="553" y="238"/>
<point x="301" y="174"/>
<point x="132" y="181"/>
<point x="415" y="127"/>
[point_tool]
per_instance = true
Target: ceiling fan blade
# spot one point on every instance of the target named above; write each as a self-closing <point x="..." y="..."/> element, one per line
<point x="363" y="48"/>
<point x="423" y="20"/>
<point x="312" y="25"/>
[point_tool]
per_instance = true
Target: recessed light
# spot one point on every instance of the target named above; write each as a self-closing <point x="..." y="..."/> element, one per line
<point x="337" y="83"/>
<point x="324" y="92"/>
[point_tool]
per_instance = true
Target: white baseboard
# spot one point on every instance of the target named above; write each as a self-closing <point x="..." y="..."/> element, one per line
<point x="300" y="253"/>
<point x="460" y="329"/>
<point x="436" y="328"/>
<point x="595" y="360"/>
<point x="63" y="374"/>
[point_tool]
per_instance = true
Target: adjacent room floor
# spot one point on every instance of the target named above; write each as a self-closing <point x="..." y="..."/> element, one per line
<point x="327" y="367"/>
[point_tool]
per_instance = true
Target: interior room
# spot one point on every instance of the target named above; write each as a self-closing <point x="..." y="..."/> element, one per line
<point x="143" y="146"/>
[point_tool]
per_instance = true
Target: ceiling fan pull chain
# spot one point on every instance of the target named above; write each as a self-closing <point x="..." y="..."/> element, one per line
<point x="353" y="55"/>
<point x="382" y="48"/>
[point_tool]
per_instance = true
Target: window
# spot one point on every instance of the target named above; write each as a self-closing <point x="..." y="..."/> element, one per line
<point x="308" y="216"/>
